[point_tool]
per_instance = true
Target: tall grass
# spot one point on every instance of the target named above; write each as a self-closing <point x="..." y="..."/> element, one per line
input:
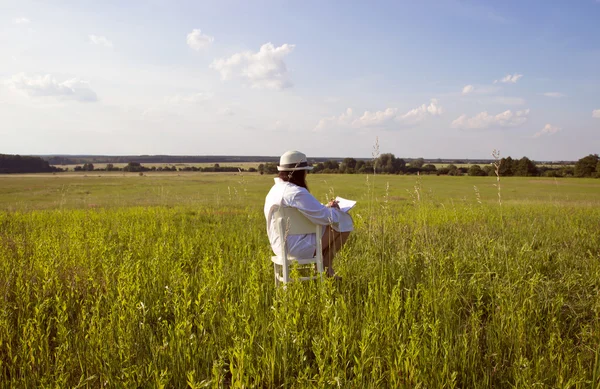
<point x="467" y="294"/>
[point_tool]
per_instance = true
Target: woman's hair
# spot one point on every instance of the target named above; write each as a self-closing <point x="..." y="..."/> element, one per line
<point x="297" y="177"/>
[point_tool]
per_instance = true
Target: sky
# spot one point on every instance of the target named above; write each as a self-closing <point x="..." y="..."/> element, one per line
<point x="432" y="79"/>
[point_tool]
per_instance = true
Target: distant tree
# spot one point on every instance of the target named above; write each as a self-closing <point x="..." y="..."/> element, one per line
<point x="55" y="160"/>
<point x="566" y="171"/>
<point x="507" y="167"/>
<point x="319" y="167"/>
<point x="217" y="165"/>
<point x="270" y="168"/>
<point x="109" y="167"/>
<point x="388" y="163"/>
<point x="598" y="170"/>
<point x="331" y="165"/>
<point x="550" y="173"/>
<point x="429" y="169"/>
<point x="251" y="170"/>
<point x="359" y="164"/>
<point x="525" y="168"/>
<point x="137" y="167"/>
<point x="475" y="170"/>
<point x="443" y="171"/>
<point x="348" y="165"/>
<point x="366" y="167"/>
<point x="586" y="166"/>
<point x="418" y="163"/>
<point x="77" y="168"/>
<point x="88" y="167"/>
<point x="399" y="165"/>
<point x="385" y="163"/>
<point x="489" y="170"/>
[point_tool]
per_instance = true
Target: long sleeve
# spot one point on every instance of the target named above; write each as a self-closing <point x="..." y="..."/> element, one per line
<point x="313" y="209"/>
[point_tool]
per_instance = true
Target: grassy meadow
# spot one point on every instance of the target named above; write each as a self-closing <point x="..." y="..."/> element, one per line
<point x="243" y="165"/>
<point x="164" y="280"/>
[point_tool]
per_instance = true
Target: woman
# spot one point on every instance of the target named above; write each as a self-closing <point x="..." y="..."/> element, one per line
<point x="290" y="190"/>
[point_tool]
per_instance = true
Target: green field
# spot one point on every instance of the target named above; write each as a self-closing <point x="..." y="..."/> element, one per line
<point x="164" y="280"/>
<point x="243" y="165"/>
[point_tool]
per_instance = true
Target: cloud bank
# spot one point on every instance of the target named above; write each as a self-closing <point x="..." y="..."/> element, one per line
<point x="389" y="117"/>
<point x="484" y="120"/>
<point x="46" y="86"/>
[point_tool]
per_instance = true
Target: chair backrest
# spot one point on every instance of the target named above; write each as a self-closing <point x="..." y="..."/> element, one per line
<point x="294" y="221"/>
<point x="290" y="221"/>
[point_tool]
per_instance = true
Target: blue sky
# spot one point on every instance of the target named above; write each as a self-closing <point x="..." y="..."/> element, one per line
<point x="448" y="78"/>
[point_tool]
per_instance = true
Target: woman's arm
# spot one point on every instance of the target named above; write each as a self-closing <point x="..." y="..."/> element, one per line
<point x="313" y="209"/>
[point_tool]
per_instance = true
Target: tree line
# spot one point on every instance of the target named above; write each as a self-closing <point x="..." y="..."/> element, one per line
<point x="136" y="167"/>
<point x="25" y="164"/>
<point x="588" y="166"/>
<point x="156" y="159"/>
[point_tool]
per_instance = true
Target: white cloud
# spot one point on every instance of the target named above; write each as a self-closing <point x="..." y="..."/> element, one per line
<point x="419" y="114"/>
<point x="264" y="69"/>
<point x="344" y="120"/>
<point x="21" y="21"/>
<point x="388" y="117"/>
<point x="47" y="86"/>
<point x="484" y="120"/>
<point x="468" y="89"/>
<point x="100" y="40"/>
<point x="373" y="119"/>
<point x="553" y="94"/>
<point x="547" y="130"/>
<point x="509" y="79"/>
<point x="596" y="112"/>
<point x="197" y="40"/>
<point x="194" y="98"/>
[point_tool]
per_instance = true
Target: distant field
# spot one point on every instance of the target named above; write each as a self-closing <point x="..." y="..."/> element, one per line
<point x="244" y="165"/>
<point x="247" y="165"/>
<point x="165" y="280"/>
<point x="467" y="165"/>
<point x="116" y="189"/>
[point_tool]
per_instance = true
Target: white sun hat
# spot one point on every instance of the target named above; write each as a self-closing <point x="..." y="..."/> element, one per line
<point x="293" y="160"/>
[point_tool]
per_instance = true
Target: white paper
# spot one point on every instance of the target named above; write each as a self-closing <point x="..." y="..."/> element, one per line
<point x="345" y="204"/>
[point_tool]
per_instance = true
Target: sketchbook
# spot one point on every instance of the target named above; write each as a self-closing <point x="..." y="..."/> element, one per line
<point x="345" y="223"/>
<point x="345" y="204"/>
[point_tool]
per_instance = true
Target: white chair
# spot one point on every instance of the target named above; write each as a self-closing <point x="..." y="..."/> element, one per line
<point x="290" y="221"/>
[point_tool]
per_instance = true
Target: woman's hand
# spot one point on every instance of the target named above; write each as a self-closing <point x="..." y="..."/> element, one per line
<point x="333" y="204"/>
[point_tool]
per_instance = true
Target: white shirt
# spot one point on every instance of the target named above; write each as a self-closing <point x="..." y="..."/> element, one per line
<point x="290" y="195"/>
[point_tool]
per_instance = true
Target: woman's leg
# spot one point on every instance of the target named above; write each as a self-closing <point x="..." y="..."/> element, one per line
<point x="332" y="242"/>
